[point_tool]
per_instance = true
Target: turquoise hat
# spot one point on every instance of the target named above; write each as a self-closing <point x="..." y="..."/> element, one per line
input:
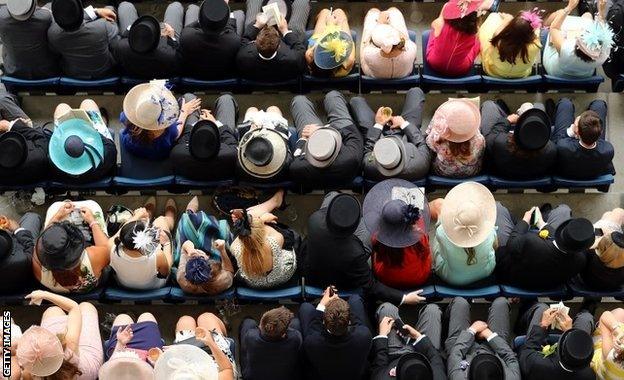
<point x="76" y="147"/>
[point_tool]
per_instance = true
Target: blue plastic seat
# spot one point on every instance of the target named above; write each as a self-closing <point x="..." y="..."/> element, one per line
<point x="558" y="293"/>
<point x="502" y="183"/>
<point x="312" y="292"/>
<point x="94" y="295"/>
<point x="369" y="183"/>
<point x="189" y="183"/>
<point x="216" y="85"/>
<point x="15" y="84"/>
<point x="618" y="83"/>
<point x="101" y="184"/>
<point x="292" y="85"/>
<point x="177" y="295"/>
<point x="129" y="82"/>
<point x="285" y="293"/>
<point x="601" y="183"/>
<point x="447" y="291"/>
<point x="138" y="172"/>
<point x="72" y="84"/>
<point x="28" y="186"/>
<point x="430" y="78"/>
<point x="519" y="341"/>
<point x="578" y="288"/>
<point x="532" y="83"/>
<point x="118" y="294"/>
<point x="435" y="180"/>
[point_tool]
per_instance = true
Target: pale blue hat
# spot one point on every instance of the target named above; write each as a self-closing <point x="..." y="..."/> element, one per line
<point x="76" y="147"/>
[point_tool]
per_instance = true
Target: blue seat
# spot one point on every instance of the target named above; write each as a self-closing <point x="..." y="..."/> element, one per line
<point x="431" y="79"/>
<point x="129" y="82"/>
<point x="138" y="172"/>
<point x="435" y="180"/>
<point x="101" y="184"/>
<point x="558" y="293"/>
<point x="15" y="84"/>
<point x="292" y="85"/>
<point x="369" y="183"/>
<point x="447" y="291"/>
<point x="285" y="293"/>
<point x="601" y="183"/>
<point x="216" y="85"/>
<point x="177" y="295"/>
<point x="86" y="85"/>
<point x="519" y="341"/>
<point x="189" y="183"/>
<point x="532" y="83"/>
<point x="118" y="294"/>
<point x="94" y="295"/>
<point x="312" y="292"/>
<point x="578" y="288"/>
<point x="270" y="185"/>
<point x="502" y="183"/>
<point x="618" y="83"/>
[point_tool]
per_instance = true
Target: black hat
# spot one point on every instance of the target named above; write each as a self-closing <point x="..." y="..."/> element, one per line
<point x="214" y="15"/>
<point x="68" y="14"/>
<point x="343" y="214"/>
<point x="486" y="367"/>
<point x="6" y="244"/>
<point x="204" y="141"/>
<point x="413" y="366"/>
<point x="532" y="131"/>
<point x="144" y="34"/>
<point x="575" y="349"/>
<point x="575" y="235"/>
<point x="259" y="151"/>
<point x="60" y="246"/>
<point x="13" y="150"/>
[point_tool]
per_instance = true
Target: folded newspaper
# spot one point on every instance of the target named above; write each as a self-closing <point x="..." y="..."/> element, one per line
<point x="273" y="14"/>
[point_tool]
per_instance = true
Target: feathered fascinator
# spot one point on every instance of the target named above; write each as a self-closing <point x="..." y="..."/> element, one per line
<point x="533" y="17"/>
<point x="146" y="240"/>
<point x="242" y="226"/>
<point x="598" y="37"/>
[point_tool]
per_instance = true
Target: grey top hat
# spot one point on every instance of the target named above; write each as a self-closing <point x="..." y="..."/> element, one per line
<point x="323" y="147"/>
<point x="389" y="153"/>
<point x="21" y="10"/>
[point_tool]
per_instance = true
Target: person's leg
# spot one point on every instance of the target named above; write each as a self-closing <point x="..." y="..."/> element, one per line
<point x="328" y="198"/>
<point x="146" y="317"/>
<point x="122" y="320"/>
<point x="226" y="110"/>
<point x="600" y="107"/>
<point x="584" y="321"/>
<point x="267" y="206"/>
<point x="413" y="106"/>
<point x="539" y="106"/>
<point x="61" y="110"/>
<point x="303" y="112"/>
<point x="505" y="224"/>
<point x="490" y="113"/>
<point x="396" y="345"/>
<point x="97" y="119"/>
<point x="337" y="109"/>
<point x="458" y="312"/>
<point x="306" y="312"/>
<point x="193" y="117"/>
<point x="362" y="113"/>
<point x="534" y="315"/>
<point x="185" y="323"/>
<point x="559" y="215"/>
<point x="192" y="15"/>
<point x="210" y="322"/>
<point x="31" y="222"/>
<point x="274" y="110"/>
<point x="295" y="324"/>
<point x="614" y="217"/>
<point x="299" y="15"/>
<point x="430" y="323"/>
<point x="9" y="107"/>
<point x="321" y="21"/>
<point x="239" y="16"/>
<point x="248" y="324"/>
<point x="249" y="113"/>
<point x="91" y="350"/>
<point x="126" y="15"/>
<point x="253" y="8"/>
<point x="52" y="312"/>
<point x="342" y="20"/>
<point x="174" y="16"/>
<point x="564" y="117"/>
<point x="498" y="318"/>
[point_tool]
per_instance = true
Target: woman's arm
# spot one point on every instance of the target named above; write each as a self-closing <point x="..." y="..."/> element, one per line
<point x="99" y="237"/>
<point x="74" y="321"/>
<point x="556" y="35"/>
<point x="225" y="257"/>
<point x="437" y="24"/>
<point x="99" y="258"/>
<point x="226" y="372"/>
<point x="608" y="326"/>
<point x="185" y="110"/>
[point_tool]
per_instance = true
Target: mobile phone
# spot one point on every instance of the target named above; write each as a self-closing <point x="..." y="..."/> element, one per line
<point x="598" y="232"/>
<point x="534" y="218"/>
<point x="399" y="325"/>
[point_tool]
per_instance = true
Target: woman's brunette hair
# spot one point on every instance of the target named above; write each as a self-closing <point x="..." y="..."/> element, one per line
<point x="514" y="40"/>
<point x="467" y="24"/>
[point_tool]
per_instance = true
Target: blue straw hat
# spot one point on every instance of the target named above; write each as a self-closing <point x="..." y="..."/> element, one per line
<point x="327" y="59"/>
<point x="76" y="147"/>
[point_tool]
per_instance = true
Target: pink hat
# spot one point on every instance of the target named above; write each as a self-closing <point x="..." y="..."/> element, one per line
<point x="455" y="9"/>
<point x="457" y="120"/>
<point x="40" y="352"/>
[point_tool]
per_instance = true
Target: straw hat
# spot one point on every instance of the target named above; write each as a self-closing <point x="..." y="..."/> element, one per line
<point x="185" y="362"/>
<point x="151" y="106"/>
<point x="323" y="147"/>
<point x="126" y="368"/>
<point x="262" y="152"/>
<point x="40" y="352"/>
<point x="457" y="119"/>
<point x="468" y="214"/>
<point x="389" y="153"/>
<point x="21" y="10"/>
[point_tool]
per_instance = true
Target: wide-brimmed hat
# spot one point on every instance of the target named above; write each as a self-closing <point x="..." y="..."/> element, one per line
<point x="385" y="37"/>
<point x="323" y="147"/>
<point x="123" y="368"/>
<point x="21" y="10"/>
<point x="60" y="246"/>
<point x="151" y="106"/>
<point x="76" y="147"/>
<point x="214" y="15"/>
<point x="144" y="34"/>
<point x="185" y="362"/>
<point x="68" y="14"/>
<point x="262" y="152"/>
<point x="204" y="141"/>
<point x="389" y="153"/>
<point x="532" y="131"/>
<point x="457" y="120"/>
<point x="486" y="366"/>
<point x="343" y="214"/>
<point x="575" y="350"/>
<point x="13" y="150"/>
<point x="596" y="38"/>
<point x="40" y="352"/>
<point x="414" y="365"/>
<point x="575" y="235"/>
<point x="397" y="212"/>
<point x="455" y="9"/>
<point x="333" y="50"/>
<point x="468" y="214"/>
<point x="6" y="244"/>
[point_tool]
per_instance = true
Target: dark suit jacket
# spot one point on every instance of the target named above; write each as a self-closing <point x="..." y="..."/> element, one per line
<point x="535" y="366"/>
<point x="106" y="169"/>
<point x="289" y="62"/>
<point x="341" y="172"/>
<point x="35" y="168"/>
<point x="340" y="261"/>
<point x="530" y="262"/>
<point x="208" y="55"/>
<point x="521" y="164"/>
<point x="25" y="51"/>
<point x="598" y="276"/>
<point x="382" y="363"/>
<point x="160" y="63"/>
<point x="16" y="268"/>
<point x="577" y="162"/>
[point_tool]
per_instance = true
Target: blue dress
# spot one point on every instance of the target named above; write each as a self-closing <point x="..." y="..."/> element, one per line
<point x="157" y="149"/>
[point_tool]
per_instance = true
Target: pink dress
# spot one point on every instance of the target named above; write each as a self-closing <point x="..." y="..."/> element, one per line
<point x="452" y="53"/>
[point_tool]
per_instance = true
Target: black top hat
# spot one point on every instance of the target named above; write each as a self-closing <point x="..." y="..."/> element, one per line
<point x="204" y="141"/>
<point x="575" y="235"/>
<point x="532" y="131"/>
<point x="343" y="214"/>
<point x="214" y="15"/>
<point x="13" y="150"/>
<point x="575" y="349"/>
<point x="68" y="14"/>
<point x="144" y="34"/>
<point x="486" y="367"/>
<point x="60" y="246"/>
<point x="6" y="244"/>
<point x="618" y="238"/>
<point x="259" y="151"/>
<point x="413" y="366"/>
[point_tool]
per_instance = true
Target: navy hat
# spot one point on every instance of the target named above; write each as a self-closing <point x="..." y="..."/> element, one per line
<point x="6" y="244"/>
<point x="486" y="367"/>
<point x="144" y="34"/>
<point x="214" y="15"/>
<point x="204" y="141"/>
<point x="13" y="150"/>
<point x="575" y="349"/>
<point x="343" y="214"/>
<point x="575" y="235"/>
<point x="532" y="131"/>
<point x="60" y="246"/>
<point x="68" y="14"/>
<point x="414" y="366"/>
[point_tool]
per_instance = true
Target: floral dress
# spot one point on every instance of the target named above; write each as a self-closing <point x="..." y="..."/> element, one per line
<point x="448" y="165"/>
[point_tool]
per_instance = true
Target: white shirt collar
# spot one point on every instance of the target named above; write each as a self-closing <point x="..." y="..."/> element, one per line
<point x="268" y="59"/>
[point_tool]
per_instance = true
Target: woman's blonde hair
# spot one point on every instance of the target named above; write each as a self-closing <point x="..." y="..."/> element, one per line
<point x="610" y="253"/>
<point x="252" y="245"/>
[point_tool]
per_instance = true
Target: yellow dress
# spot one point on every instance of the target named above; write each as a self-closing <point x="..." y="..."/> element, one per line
<point x="490" y="58"/>
<point x="605" y="369"/>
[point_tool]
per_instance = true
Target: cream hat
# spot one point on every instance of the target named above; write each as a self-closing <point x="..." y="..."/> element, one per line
<point x="457" y="120"/>
<point x="323" y="147"/>
<point x="468" y="214"/>
<point x="262" y="152"/>
<point x="389" y="153"/>
<point x="151" y="106"/>
<point x="185" y="362"/>
<point x="126" y="368"/>
<point x="385" y="37"/>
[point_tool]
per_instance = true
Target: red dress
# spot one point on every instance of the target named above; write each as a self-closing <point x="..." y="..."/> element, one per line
<point x="413" y="271"/>
<point x="452" y="53"/>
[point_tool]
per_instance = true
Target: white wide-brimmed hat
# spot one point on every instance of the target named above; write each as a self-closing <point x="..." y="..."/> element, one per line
<point x="262" y="152"/>
<point x="468" y="214"/>
<point x="151" y="106"/>
<point x="323" y="147"/>
<point x="185" y="362"/>
<point x="389" y="153"/>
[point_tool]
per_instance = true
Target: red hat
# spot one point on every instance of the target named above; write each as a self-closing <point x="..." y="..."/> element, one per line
<point x="455" y="9"/>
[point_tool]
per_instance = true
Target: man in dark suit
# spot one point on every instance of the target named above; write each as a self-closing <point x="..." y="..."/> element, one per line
<point x="542" y="254"/>
<point x="337" y="249"/>
<point x="325" y="155"/>
<point x="24" y="35"/>
<point x="210" y="40"/>
<point x="207" y="148"/>
<point x="408" y="352"/>
<point x="570" y="358"/>
<point x="271" y="350"/>
<point x="336" y="338"/>
<point x="146" y="49"/>
<point x="582" y="150"/>
<point x="17" y="242"/>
